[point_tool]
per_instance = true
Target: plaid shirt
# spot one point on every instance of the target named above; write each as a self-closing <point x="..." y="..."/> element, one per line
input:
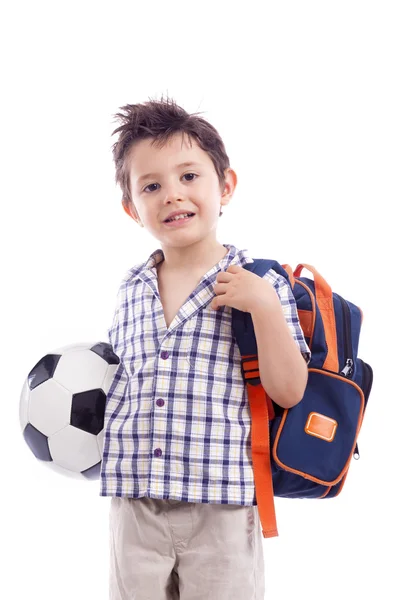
<point x="177" y="420"/>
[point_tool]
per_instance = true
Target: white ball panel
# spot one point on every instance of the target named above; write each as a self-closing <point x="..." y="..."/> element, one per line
<point x="24" y="406"/>
<point x="109" y="377"/>
<point x="62" y="471"/>
<point x="49" y="407"/>
<point x="100" y="441"/>
<point x="80" y="379"/>
<point x="74" y="449"/>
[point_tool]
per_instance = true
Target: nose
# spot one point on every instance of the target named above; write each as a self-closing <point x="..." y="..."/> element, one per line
<point x="173" y="192"/>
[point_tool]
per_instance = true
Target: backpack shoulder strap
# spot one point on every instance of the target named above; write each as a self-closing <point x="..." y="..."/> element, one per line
<point x="261" y="407"/>
<point x="261" y="265"/>
<point x="242" y="323"/>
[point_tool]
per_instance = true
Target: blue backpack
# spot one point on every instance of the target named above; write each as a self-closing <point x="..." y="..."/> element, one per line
<point x="305" y="451"/>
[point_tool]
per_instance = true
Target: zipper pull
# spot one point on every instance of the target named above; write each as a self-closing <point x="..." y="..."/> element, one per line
<point x="348" y="368"/>
<point x="356" y="453"/>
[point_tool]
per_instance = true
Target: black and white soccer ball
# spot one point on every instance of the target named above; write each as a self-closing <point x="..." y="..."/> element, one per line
<point x="62" y="407"/>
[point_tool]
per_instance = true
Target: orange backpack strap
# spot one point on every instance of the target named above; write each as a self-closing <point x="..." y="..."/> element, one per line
<point x="324" y="299"/>
<point x="289" y="271"/>
<point x="261" y="409"/>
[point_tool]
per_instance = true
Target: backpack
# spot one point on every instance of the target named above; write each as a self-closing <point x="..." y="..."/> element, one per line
<point x="305" y="451"/>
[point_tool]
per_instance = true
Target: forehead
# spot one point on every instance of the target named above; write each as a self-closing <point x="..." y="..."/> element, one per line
<point x="147" y="156"/>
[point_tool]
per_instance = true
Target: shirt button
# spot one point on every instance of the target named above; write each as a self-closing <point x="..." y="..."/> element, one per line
<point x="157" y="452"/>
<point x="164" y="354"/>
<point x="160" y="402"/>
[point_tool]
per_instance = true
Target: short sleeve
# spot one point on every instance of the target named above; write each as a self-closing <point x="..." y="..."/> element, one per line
<point x="113" y="332"/>
<point x="288" y="303"/>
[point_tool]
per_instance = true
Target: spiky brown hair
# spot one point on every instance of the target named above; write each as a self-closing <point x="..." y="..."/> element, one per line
<point x="161" y="119"/>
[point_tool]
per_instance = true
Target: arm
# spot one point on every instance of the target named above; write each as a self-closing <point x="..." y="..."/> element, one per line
<point x="280" y="341"/>
<point x="283" y="370"/>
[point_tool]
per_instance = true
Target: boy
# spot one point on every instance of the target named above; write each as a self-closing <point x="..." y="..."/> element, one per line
<point x="177" y="450"/>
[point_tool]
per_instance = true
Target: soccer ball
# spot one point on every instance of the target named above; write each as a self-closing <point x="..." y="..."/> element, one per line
<point x="62" y="407"/>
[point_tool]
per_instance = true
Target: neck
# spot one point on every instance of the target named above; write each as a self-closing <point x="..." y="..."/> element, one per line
<point x="199" y="256"/>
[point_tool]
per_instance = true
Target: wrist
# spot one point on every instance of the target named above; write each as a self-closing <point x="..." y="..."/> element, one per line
<point x="266" y="306"/>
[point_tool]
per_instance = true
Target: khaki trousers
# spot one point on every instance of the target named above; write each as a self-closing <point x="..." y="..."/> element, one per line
<point x="170" y="550"/>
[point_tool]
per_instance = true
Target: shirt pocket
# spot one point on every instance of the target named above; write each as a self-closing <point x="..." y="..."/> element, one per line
<point x="208" y="344"/>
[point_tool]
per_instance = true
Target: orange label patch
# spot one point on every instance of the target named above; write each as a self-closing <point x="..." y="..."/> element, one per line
<point x="321" y="426"/>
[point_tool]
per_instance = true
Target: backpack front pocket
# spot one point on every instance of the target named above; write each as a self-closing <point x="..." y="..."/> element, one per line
<point x="316" y="438"/>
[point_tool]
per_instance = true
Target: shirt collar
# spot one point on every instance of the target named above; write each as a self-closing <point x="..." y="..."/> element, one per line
<point x="233" y="256"/>
<point x="148" y="271"/>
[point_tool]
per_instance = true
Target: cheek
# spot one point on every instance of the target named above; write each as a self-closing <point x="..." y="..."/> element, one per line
<point x="145" y="213"/>
<point x="212" y="209"/>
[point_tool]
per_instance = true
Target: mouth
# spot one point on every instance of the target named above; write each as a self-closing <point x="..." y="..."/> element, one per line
<point x="180" y="219"/>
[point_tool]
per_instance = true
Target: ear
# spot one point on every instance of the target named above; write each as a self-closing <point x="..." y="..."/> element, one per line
<point x="230" y="185"/>
<point x="130" y="210"/>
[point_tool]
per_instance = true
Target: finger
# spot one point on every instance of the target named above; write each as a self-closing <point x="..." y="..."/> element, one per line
<point x="234" y="269"/>
<point x="220" y="288"/>
<point x="224" y="277"/>
<point x="214" y="304"/>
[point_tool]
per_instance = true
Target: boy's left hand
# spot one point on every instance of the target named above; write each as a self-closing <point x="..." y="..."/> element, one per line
<point x="238" y="288"/>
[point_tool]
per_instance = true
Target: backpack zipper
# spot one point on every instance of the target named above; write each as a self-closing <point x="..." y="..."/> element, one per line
<point x="347" y="370"/>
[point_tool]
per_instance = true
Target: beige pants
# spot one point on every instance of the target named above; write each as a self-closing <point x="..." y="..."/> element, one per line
<point x="170" y="550"/>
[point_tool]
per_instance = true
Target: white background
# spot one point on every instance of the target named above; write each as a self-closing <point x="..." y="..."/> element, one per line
<point x="306" y="98"/>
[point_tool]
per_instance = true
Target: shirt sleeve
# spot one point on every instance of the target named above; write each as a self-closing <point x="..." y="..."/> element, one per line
<point x="113" y="331"/>
<point x="116" y="392"/>
<point x="288" y="303"/>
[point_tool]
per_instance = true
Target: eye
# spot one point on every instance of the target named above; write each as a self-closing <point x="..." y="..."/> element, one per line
<point x="147" y="186"/>
<point x="185" y="175"/>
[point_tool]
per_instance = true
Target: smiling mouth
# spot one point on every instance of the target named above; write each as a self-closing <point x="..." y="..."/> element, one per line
<point x="186" y="218"/>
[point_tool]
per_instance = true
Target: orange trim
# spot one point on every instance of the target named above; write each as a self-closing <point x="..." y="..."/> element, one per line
<point x="328" y="489"/>
<point x="324" y="298"/>
<point x="345" y="468"/>
<point x="289" y="271"/>
<point x="341" y="486"/>
<point x="313" y="309"/>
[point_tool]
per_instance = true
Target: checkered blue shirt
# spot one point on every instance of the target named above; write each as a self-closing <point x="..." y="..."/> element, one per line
<point x="177" y="420"/>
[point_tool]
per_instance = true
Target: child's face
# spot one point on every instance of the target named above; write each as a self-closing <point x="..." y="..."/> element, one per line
<point x="171" y="187"/>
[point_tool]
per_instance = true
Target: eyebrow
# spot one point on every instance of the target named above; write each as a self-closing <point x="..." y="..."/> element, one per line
<point x="184" y="164"/>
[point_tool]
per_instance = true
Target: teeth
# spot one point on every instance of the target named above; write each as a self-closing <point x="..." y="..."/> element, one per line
<point x="183" y="216"/>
